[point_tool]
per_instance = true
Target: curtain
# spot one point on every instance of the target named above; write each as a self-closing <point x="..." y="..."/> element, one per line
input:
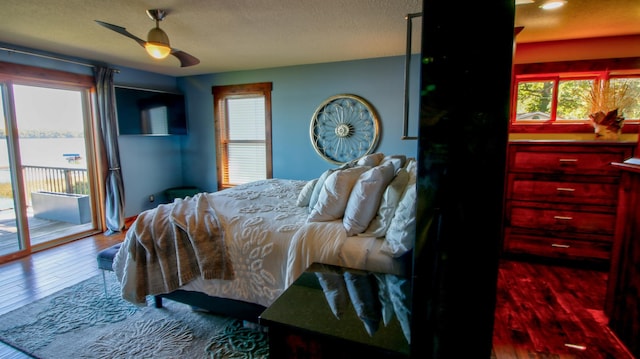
<point x="114" y="188"/>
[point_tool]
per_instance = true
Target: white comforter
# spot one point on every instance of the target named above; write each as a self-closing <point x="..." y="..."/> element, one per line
<point x="268" y="240"/>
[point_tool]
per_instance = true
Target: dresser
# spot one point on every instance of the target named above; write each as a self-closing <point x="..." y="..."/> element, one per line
<point x="561" y="198"/>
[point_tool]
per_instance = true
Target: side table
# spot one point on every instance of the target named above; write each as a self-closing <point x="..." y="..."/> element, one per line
<point x="302" y="324"/>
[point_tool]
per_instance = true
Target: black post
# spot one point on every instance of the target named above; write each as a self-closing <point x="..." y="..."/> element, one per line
<point x="467" y="52"/>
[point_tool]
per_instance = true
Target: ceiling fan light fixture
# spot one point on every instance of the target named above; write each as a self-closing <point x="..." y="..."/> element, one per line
<point x="553" y="4"/>
<point x="157" y="50"/>
<point x="157" y="44"/>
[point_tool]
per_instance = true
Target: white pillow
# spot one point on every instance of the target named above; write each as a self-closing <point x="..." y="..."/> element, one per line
<point x="412" y="168"/>
<point x="305" y="194"/>
<point x="398" y="160"/>
<point x="365" y="198"/>
<point x="318" y="187"/>
<point x="388" y="203"/>
<point x="402" y="230"/>
<point x="334" y="194"/>
<point x="371" y="159"/>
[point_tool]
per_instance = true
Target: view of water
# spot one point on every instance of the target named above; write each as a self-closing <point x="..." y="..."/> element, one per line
<point x="47" y="152"/>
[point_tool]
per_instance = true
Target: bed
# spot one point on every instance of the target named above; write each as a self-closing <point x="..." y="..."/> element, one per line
<point x="235" y="251"/>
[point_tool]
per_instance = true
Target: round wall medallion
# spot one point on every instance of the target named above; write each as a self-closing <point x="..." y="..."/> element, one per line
<point x="344" y="128"/>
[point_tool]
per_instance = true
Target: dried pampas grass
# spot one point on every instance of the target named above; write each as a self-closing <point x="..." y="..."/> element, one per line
<point x="605" y="98"/>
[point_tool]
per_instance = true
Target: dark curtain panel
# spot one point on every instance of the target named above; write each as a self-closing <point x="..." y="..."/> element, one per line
<point x="114" y="201"/>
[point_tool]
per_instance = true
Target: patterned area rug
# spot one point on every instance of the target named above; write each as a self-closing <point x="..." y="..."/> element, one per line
<point x="81" y="322"/>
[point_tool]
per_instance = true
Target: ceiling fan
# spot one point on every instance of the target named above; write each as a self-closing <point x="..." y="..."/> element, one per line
<point x="157" y="44"/>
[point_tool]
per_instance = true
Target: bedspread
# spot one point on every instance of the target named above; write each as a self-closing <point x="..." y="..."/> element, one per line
<point x="267" y="237"/>
<point x="255" y="222"/>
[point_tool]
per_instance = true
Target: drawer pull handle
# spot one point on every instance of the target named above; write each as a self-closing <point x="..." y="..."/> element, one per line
<point x="564" y="218"/>
<point x="565" y="189"/>
<point x="560" y="245"/>
<point x="568" y="160"/>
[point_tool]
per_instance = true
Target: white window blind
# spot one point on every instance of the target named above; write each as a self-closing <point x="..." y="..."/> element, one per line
<point x="246" y="144"/>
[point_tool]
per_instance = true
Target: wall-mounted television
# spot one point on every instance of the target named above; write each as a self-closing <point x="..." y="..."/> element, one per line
<point x="150" y="112"/>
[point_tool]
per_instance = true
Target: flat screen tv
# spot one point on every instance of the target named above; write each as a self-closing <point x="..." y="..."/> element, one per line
<point x="150" y="112"/>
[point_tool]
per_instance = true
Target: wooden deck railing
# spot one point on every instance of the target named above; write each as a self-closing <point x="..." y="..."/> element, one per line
<point x="55" y="179"/>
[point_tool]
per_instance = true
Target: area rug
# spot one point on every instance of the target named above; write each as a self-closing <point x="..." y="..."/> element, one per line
<point x="82" y="322"/>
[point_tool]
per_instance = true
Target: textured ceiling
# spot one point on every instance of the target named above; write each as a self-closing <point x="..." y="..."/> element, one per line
<point x="229" y="35"/>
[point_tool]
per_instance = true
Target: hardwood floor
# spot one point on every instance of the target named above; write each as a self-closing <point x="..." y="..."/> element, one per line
<point x="550" y="311"/>
<point x="542" y="311"/>
<point x="28" y="279"/>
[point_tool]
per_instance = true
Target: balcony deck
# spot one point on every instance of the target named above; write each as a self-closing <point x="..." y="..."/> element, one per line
<point x="41" y="230"/>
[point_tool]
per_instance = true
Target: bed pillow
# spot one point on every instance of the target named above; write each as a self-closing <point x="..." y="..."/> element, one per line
<point x="412" y="169"/>
<point x="398" y="160"/>
<point x="334" y="194"/>
<point x="402" y="230"/>
<point x="305" y="194"/>
<point x="370" y="160"/>
<point x="365" y="198"/>
<point x="388" y="203"/>
<point x="318" y="187"/>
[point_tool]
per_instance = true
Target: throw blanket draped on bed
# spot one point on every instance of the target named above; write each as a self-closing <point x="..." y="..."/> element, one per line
<point x="171" y="246"/>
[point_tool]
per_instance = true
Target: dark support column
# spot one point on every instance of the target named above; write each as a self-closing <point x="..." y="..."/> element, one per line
<point x="467" y="51"/>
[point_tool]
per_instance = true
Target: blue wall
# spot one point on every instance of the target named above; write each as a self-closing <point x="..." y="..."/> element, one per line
<point x="151" y="164"/>
<point x="297" y="92"/>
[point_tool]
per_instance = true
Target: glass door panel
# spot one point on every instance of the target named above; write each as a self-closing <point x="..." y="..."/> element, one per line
<point x="51" y="186"/>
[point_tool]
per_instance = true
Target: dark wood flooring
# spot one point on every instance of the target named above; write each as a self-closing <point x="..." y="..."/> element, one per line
<point x="550" y="311"/>
<point x="542" y="311"/>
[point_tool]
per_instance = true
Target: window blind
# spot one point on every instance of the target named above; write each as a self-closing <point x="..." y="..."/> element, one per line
<point x="246" y="145"/>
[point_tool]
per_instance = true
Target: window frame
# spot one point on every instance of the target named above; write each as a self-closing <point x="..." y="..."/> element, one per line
<point x="600" y="70"/>
<point x="220" y="96"/>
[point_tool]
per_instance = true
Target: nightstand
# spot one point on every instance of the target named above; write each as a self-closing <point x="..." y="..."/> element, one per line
<point x="302" y="324"/>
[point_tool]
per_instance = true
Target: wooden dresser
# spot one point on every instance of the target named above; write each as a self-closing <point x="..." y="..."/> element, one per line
<point x="561" y="198"/>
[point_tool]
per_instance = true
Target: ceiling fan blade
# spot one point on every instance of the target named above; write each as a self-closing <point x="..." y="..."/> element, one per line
<point x="122" y="31"/>
<point x="185" y="59"/>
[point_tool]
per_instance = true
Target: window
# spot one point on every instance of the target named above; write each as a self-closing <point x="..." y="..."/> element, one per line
<point x="558" y="96"/>
<point x="243" y="133"/>
<point x="536" y="99"/>
<point x="632" y="86"/>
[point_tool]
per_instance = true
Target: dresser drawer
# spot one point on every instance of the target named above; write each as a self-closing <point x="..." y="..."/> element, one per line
<point x="557" y="247"/>
<point x="551" y="220"/>
<point x="565" y="162"/>
<point x="605" y="194"/>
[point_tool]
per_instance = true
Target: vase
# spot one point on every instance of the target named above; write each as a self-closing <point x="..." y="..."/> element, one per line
<point x="607" y="126"/>
<point x="604" y="132"/>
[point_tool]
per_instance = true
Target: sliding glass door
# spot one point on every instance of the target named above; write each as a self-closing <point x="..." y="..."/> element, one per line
<point x="46" y="167"/>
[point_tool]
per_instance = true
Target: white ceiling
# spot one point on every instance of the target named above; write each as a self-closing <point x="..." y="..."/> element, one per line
<point x="228" y="35"/>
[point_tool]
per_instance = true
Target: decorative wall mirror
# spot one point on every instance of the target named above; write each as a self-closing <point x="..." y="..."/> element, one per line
<point x="344" y="128"/>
